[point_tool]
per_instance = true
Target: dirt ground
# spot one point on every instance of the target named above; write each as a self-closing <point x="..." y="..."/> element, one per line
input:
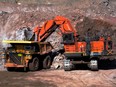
<point x="80" y="77"/>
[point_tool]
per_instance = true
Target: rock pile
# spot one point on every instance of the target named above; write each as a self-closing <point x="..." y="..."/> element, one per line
<point x="58" y="62"/>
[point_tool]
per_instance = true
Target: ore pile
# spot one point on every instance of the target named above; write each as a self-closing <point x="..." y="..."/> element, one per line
<point x="55" y="39"/>
<point x="24" y="33"/>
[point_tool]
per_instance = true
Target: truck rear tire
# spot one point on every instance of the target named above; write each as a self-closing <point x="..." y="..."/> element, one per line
<point x="47" y="62"/>
<point x="93" y="65"/>
<point x="34" y="64"/>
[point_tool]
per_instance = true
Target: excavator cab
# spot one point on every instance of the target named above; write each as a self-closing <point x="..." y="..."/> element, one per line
<point x="68" y="38"/>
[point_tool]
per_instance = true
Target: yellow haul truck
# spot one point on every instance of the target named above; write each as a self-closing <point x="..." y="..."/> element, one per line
<point x="30" y="55"/>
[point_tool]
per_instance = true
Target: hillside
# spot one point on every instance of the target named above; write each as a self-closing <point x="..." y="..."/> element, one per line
<point x="98" y="15"/>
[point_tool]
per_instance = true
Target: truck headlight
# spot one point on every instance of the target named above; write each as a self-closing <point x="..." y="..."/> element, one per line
<point x="28" y="56"/>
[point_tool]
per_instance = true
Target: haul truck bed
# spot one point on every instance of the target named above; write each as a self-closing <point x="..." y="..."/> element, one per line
<point x="30" y="55"/>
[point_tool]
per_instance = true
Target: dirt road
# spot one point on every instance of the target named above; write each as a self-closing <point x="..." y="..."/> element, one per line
<point x="59" y="78"/>
<point x="80" y="77"/>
